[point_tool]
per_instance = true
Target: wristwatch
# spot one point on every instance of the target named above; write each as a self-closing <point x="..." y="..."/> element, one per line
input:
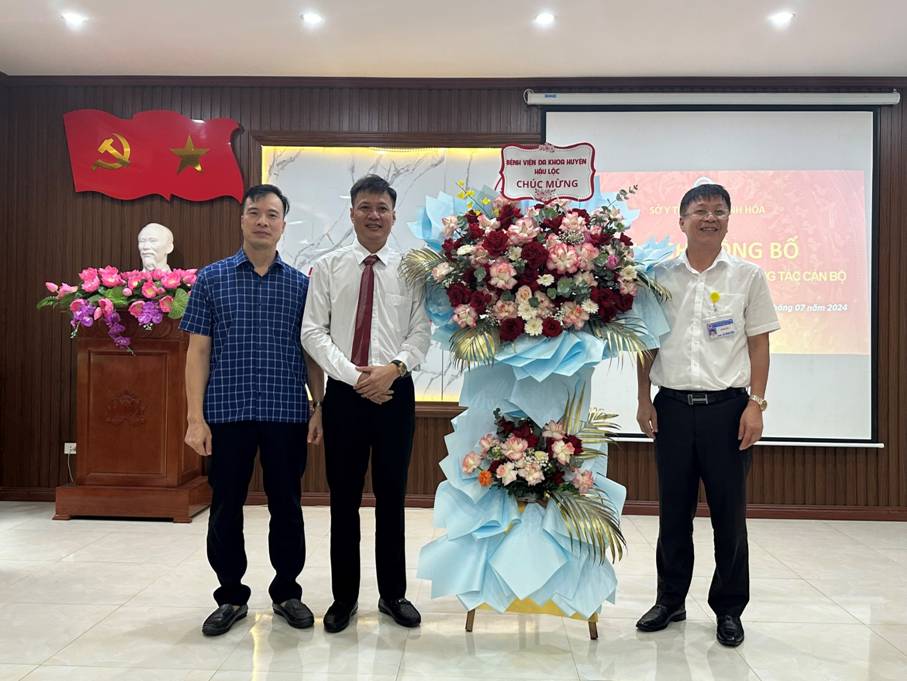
<point x="316" y="404"/>
<point x="401" y="367"/>
<point x="761" y="401"/>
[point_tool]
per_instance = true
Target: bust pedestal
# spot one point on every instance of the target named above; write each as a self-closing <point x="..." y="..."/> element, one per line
<point x="131" y="460"/>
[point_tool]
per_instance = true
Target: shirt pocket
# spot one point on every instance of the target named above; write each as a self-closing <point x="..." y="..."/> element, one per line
<point x="398" y="307"/>
<point x="734" y="305"/>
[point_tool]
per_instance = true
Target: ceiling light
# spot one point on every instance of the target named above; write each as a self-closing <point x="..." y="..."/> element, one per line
<point x="312" y="19"/>
<point x="544" y="19"/>
<point x="74" y="20"/>
<point x="781" y="20"/>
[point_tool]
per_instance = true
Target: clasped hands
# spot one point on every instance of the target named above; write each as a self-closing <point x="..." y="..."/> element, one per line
<point x="375" y="382"/>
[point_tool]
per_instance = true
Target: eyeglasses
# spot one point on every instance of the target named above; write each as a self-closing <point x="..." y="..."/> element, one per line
<point x="702" y="214"/>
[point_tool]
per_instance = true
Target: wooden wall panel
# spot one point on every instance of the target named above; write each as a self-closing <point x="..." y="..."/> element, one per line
<point x="50" y="233"/>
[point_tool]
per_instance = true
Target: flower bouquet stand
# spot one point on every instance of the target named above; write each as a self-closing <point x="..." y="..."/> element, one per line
<point x="532" y="299"/>
<point x="131" y="460"/>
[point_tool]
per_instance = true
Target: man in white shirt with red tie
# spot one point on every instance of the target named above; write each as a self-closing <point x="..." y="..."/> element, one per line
<point x="367" y="328"/>
<point x="703" y="420"/>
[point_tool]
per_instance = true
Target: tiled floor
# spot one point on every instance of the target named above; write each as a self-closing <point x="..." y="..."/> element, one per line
<point x="103" y="600"/>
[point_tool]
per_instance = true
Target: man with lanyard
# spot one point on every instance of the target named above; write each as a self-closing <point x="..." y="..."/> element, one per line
<point x="246" y="390"/>
<point x="367" y="328"/>
<point x="703" y="421"/>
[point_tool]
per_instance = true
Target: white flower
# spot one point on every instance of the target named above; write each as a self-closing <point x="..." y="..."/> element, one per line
<point x="628" y="273"/>
<point x="533" y="327"/>
<point x="466" y="249"/>
<point x="590" y="306"/>
<point x="545" y="280"/>
<point x="514" y="253"/>
<point x="526" y="311"/>
<point x="540" y="455"/>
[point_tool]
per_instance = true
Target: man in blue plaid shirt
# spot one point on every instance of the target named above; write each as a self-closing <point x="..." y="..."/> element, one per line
<point x="246" y="377"/>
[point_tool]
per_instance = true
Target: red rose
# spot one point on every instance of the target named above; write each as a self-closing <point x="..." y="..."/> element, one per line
<point x="478" y="301"/>
<point x="532" y="440"/>
<point x="624" y="302"/>
<point x="551" y="327"/>
<point x="469" y="276"/>
<point x="458" y="294"/>
<point x="472" y="218"/>
<point x="505" y="426"/>
<point x="511" y="329"/>
<point x="598" y="239"/>
<point x="558" y="478"/>
<point x="475" y="231"/>
<point x="554" y="223"/>
<point x="524" y="431"/>
<point x="583" y="213"/>
<point x="449" y="246"/>
<point x="494" y="467"/>
<point x="528" y="278"/>
<point x="508" y="215"/>
<point x="495" y="242"/>
<point x="576" y="442"/>
<point x="535" y="254"/>
<point x="625" y="240"/>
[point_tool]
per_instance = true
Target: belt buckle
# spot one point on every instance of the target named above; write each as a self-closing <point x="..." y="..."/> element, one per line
<point x="694" y="399"/>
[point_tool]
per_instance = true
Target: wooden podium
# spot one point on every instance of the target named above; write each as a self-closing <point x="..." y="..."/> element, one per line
<point x="131" y="460"/>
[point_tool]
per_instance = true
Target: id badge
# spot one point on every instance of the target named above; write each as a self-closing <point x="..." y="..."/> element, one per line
<point x="720" y="326"/>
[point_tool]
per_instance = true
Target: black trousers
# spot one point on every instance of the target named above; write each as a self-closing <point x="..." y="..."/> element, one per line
<point x="693" y="443"/>
<point x="354" y="430"/>
<point x="283" y="458"/>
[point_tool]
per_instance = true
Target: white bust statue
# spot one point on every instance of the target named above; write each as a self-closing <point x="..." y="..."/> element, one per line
<point x="155" y="244"/>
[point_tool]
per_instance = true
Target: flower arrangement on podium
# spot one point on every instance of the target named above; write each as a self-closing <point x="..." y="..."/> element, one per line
<point x="105" y="292"/>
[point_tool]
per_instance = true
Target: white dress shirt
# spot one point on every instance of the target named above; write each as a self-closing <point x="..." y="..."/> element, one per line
<point x="688" y="358"/>
<point x="400" y="326"/>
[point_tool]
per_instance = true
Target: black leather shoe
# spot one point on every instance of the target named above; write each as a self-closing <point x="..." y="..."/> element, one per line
<point x="730" y="631"/>
<point x="295" y="612"/>
<point x="403" y="612"/>
<point x="660" y="616"/>
<point x="220" y="621"/>
<point x="338" y="616"/>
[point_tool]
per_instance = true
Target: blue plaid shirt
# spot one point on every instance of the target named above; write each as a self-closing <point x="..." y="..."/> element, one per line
<point x="257" y="371"/>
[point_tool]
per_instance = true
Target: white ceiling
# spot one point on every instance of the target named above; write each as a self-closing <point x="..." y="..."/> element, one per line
<point x="464" y="38"/>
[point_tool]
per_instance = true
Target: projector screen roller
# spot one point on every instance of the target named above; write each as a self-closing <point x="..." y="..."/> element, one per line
<point x="801" y="190"/>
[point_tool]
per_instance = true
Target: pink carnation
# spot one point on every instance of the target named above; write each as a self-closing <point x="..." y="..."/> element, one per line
<point x="471" y="462"/>
<point x="166" y="303"/>
<point x="502" y="274"/>
<point x="584" y="481"/>
<point x="515" y="448"/>
<point x="562" y="258"/>
<point x="465" y="316"/>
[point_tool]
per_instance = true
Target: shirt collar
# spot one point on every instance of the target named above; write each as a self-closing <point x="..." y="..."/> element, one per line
<point x="362" y="252"/>
<point x="721" y="257"/>
<point x="240" y="257"/>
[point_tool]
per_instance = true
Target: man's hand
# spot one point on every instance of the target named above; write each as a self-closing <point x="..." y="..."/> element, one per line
<point x="646" y="417"/>
<point x="750" y="426"/>
<point x="375" y="382"/>
<point x="316" y="432"/>
<point x="198" y="436"/>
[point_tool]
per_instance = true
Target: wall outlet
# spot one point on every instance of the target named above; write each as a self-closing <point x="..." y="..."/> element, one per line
<point x="69" y="448"/>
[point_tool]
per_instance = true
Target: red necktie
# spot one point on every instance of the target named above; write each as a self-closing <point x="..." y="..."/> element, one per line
<point x="362" y="336"/>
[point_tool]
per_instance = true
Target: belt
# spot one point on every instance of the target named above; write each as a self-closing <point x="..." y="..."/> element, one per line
<point x="699" y="398"/>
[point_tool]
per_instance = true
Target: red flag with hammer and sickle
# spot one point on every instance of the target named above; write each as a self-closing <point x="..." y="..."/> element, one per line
<point x="154" y="152"/>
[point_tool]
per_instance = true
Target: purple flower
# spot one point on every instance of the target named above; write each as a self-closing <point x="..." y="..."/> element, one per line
<point x="122" y="342"/>
<point x="83" y="316"/>
<point x="151" y="313"/>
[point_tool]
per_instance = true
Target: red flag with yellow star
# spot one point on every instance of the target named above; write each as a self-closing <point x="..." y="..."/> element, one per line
<point x="154" y="152"/>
